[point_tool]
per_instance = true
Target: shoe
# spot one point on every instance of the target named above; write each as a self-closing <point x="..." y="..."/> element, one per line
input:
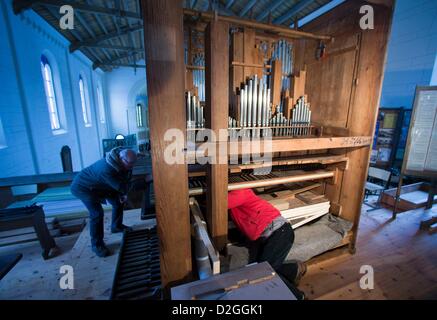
<point x="101" y="250"/>
<point x="301" y="270"/>
<point x="121" y="229"/>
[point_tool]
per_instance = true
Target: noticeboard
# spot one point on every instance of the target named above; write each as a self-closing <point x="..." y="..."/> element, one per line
<point x="420" y="157"/>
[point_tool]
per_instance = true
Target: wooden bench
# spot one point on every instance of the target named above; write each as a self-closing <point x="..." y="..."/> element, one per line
<point x="31" y="216"/>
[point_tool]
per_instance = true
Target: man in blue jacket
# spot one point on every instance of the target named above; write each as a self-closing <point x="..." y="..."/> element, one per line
<point x="107" y="179"/>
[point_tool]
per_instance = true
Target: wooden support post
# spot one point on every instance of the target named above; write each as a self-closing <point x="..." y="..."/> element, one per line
<point x="188" y="71"/>
<point x="276" y="83"/>
<point x="236" y="54"/>
<point x="216" y="116"/>
<point x="250" y="56"/>
<point x="163" y="40"/>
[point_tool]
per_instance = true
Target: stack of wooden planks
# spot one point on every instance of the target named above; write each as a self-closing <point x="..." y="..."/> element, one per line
<point x="299" y="205"/>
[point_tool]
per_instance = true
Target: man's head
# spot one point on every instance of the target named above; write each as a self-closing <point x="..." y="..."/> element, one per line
<point x="128" y="158"/>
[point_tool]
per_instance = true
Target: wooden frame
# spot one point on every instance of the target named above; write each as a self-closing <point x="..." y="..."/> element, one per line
<point x="163" y="39"/>
<point x="424" y="173"/>
<point x="351" y="72"/>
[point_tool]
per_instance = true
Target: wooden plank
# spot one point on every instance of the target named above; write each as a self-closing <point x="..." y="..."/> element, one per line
<point x="294" y="160"/>
<point x="216" y="116"/>
<point x="290" y="194"/>
<point x="299" y="144"/>
<point x="163" y="39"/>
<point x="272" y="28"/>
<point x="236" y="77"/>
<point x="189" y="84"/>
<point x="363" y="111"/>
<point x="306" y="176"/>
<point x="297" y="85"/>
<point x="37" y="179"/>
<point x="250" y="53"/>
<point x="237" y="54"/>
<point x="276" y="83"/>
<point x="344" y="90"/>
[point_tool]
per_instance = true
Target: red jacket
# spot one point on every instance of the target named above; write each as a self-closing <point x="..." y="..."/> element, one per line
<point x="250" y="213"/>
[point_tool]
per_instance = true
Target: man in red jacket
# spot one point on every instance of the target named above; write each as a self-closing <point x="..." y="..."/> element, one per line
<point x="262" y="223"/>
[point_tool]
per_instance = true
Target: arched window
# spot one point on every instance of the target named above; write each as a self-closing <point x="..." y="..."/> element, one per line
<point x="84" y="102"/>
<point x="139" y="109"/>
<point x="101" y="104"/>
<point x="2" y="136"/>
<point x="49" y="87"/>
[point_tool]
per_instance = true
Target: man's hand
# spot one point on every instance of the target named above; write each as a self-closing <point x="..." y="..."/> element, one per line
<point x="123" y="198"/>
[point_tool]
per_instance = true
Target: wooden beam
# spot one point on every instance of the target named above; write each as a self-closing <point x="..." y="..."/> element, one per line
<point x="77" y="45"/>
<point x="112" y="47"/>
<point x="249" y="5"/>
<point x="216" y="116"/>
<point x="164" y="42"/>
<point x="364" y="110"/>
<point x="302" y="144"/>
<point x="307" y="176"/>
<point x="297" y="85"/>
<point x="237" y="54"/>
<point x="22" y="5"/>
<point x="229" y="4"/>
<point x="294" y="10"/>
<point x="114" y="60"/>
<point x="271" y="6"/>
<point x="128" y="65"/>
<point x="280" y="30"/>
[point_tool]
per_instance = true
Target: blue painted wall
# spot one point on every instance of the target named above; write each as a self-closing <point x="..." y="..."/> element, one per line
<point x="29" y="145"/>
<point x="412" y="51"/>
<point x="127" y="87"/>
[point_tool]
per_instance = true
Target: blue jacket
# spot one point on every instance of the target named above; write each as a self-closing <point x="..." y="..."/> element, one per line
<point x="104" y="179"/>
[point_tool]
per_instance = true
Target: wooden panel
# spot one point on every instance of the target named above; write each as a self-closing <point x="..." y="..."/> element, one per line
<point x="163" y="39"/>
<point x="216" y="115"/>
<point x="329" y="88"/>
<point x="283" y="145"/>
<point x="237" y="72"/>
<point x="297" y="85"/>
<point x="250" y="56"/>
<point x="363" y="111"/>
<point x="344" y="88"/>
<point x="189" y="84"/>
<point x="276" y="83"/>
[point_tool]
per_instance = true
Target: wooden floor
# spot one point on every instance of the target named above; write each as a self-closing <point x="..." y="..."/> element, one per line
<point x="404" y="260"/>
<point x="34" y="278"/>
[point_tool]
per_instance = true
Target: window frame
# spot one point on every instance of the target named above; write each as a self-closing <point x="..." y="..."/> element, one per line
<point x="139" y="115"/>
<point x="50" y="93"/>
<point x="84" y="102"/>
<point x="101" y="105"/>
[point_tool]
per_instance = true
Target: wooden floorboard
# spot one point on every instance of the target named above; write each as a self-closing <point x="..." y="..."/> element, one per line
<point x="403" y="257"/>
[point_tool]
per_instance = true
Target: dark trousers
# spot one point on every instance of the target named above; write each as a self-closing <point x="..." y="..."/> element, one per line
<point x="274" y="250"/>
<point x="96" y="218"/>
